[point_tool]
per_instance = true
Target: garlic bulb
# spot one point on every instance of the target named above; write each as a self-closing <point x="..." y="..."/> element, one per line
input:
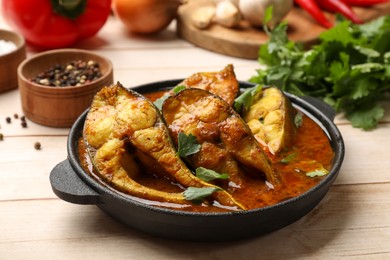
<point x="227" y="14"/>
<point x="254" y="10"/>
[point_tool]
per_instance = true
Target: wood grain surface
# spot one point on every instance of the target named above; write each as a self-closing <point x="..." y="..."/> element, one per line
<point x="351" y="222"/>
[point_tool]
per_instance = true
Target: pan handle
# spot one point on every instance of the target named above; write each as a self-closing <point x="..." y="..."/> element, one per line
<point x="68" y="186"/>
<point x="326" y="109"/>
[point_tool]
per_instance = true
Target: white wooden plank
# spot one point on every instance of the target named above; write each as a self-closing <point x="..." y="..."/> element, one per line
<point x="342" y="225"/>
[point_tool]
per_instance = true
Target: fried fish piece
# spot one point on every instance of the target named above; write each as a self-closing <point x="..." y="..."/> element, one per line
<point x="271" y="119"/>
<point x="222" y="83"/>
<point x="124" y="128"/>
<point x="226" y="140"/>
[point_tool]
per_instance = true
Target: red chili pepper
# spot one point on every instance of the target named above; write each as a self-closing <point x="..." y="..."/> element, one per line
<point x="337" y="6"/>
<point x="56" y="23"/>
<point x="314" y="10"/>
<point x="364" y="3"/>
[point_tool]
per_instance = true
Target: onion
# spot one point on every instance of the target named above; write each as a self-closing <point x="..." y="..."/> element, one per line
<point x="146" y="16"/>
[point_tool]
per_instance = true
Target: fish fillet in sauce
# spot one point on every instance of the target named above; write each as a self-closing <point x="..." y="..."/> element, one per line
<point x="122" y="129"/>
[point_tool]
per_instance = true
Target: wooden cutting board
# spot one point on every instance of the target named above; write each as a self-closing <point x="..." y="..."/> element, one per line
<point x="244" y="41"/>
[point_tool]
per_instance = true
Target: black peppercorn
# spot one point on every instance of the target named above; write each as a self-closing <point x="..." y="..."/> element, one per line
<point x="1" y="137"/>
<point x="37" y="146"/>
<point x="8" y="119"/>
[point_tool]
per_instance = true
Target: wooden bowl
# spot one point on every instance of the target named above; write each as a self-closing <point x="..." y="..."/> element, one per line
<point x="59" y="106"/>
<point x="10" y="61"/>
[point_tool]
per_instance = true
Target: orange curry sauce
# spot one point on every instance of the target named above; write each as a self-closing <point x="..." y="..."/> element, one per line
<point x="310" y="149"/>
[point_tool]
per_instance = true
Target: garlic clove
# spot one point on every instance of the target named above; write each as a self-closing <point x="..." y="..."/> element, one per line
<point x="227" y="14"/>
<point x="203" y="16"/>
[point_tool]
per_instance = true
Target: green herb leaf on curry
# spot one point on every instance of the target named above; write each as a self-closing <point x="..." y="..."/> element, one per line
<point x="187" y="145"/>
<point x="209" y="175"/>
<point x="179" y="88"/>
<point x="298" y="120"/>
<point x="288" y="158"/>
<point x="160" y="101"/>
<point x="317" y="173"/>
<point x="196" y="195"/>
<point x="245" y="100"/>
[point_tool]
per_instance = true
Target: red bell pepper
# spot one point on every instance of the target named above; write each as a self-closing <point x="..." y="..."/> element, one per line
<point x="314" y="10"/>
<point x="56" y="23"/>
<point x="364" y="3"/>
<point x="337" y="6"/>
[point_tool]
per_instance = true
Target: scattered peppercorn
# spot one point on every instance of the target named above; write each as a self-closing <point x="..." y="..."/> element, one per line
<point x="37" y="146"/>
<point x="74" y="73"/>
<point x="16" y="116"/>
<point x="8" y="119"/>
<point x="24" y="124"/>
<point x="23" y="118"/>
<point x="1" y="137"/>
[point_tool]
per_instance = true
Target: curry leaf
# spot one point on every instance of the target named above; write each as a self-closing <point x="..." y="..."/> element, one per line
<point x="187" y="145"/>
<point x="209" y="175"/>
<point x="198" y="194"/>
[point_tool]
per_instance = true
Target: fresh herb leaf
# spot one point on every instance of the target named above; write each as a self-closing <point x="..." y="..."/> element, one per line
<point x="317" y="173"/>
<point x="348" y="69"/>
<point x="209" y="175"/>
<point x="298" y="120"/>
<point x="160" y="101"/>
<point x="268" y="14"/>
<point x="196" y="195"/>
<point x="179" y="88"/>
<point x="312" y="168"/>
<point x="244" y="101"/>
<point x="288" y="158"/>
<point x="187" y="145"/>
<point x="366" y="118"/>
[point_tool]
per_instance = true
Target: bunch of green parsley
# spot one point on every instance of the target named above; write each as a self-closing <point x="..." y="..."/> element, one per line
<point x="349" y="68"/>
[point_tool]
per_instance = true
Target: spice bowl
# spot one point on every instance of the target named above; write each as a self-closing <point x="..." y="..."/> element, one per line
<point x="57" y="86"/>
<point x="12" y="53"/>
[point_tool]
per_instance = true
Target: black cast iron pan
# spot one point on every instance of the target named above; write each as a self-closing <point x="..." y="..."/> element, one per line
<point x="71" y="183"/>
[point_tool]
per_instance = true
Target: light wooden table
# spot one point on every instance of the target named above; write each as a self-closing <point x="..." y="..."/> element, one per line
<point x="352" y="221"/>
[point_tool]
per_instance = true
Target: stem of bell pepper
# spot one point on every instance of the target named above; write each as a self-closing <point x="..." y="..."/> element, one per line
<point x="338" y="6"/>
<point x="364" y="3"/>
<point x="69" y="4"/>
<point x="313" y="9"/>
<point x="69" y="8"/>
